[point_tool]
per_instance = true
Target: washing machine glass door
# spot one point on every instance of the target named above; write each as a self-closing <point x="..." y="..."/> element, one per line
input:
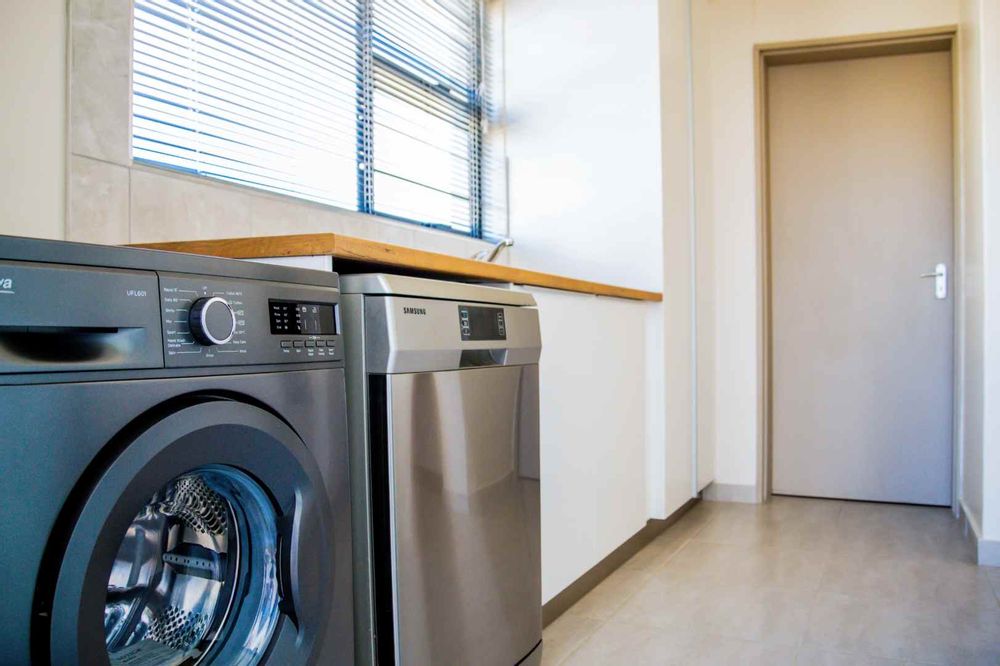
<point x="190" y="553"/>
<point x="204" y="540"/>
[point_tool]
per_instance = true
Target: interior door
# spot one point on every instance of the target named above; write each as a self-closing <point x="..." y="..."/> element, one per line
<point x="860" y="155"/>
<point x="464" y="470"/>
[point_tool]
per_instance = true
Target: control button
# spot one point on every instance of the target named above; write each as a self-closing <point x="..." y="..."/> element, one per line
<point x="212" y="321"/>
<point x="285" y="344"/>
<point x="299" y="343"/>
<point x="321" y="343"/>
<point x="310" y="343"/>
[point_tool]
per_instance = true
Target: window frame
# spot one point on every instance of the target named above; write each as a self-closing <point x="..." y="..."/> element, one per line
<point x="473" y="107"/>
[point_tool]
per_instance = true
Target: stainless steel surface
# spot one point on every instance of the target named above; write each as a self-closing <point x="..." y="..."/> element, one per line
<point x="490" y="254"/>
<point x="462" y="554"/>
<point x="535" y="658"/>
<point x="384" y="284"/>
<point x="352" y="310"/>
<point x="464" y="472"/>
<point x="422" y="335"/>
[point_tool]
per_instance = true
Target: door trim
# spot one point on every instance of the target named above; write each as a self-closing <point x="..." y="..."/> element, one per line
<point x="927" y="40"/>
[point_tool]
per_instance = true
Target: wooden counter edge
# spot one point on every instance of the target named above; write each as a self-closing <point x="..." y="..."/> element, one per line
<point x="385" y="254"/>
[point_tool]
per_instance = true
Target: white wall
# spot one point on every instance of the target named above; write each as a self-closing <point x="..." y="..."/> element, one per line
<point x="674" y="466"/>
<point x="971" y="306"/>
<point x="990" y="27"/>
<point x="980" y="72"/>
<point x="728" y="335"/>
<point x="583" y="128"/>
<point x="596" y="93"/>
<point x="33" y="117"/>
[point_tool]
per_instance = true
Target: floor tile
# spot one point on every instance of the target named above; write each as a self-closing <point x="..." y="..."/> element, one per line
<point x="938" y="582"/>
<point x="762" y="565"/>
<point x="564" y="635"/>
<point x="619" y="642"/>
<point x="792" y="581"/>
<point x="655" y="555"/>
<point x="993" y="573"/>
<point x="904" y="631"/>
<point x="601" y="602"/>
<point x="783" y="522"/>
<point x="813" y="656"/>
<point x="714" y="650"/>
<point x="627" y="643"/>
<point x="893" y="530"/>
<point x="771" y="616"/>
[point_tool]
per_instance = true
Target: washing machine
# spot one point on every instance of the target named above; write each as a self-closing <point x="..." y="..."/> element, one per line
<point x="173" y="460"/>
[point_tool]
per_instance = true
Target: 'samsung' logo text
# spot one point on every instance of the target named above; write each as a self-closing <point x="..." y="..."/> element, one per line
<point x="6" y="285"/>
<point x="414" y="311"/>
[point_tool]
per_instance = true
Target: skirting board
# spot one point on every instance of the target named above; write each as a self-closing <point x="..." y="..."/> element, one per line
<point x="730" y="492"/>
<point x="576" y="590"/>
<point x="987" y="550"/>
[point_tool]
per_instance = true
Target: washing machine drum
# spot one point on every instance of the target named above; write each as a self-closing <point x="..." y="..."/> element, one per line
<point x="204" y="540"/>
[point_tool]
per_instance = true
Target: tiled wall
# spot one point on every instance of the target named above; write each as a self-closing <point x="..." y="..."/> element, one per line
<point x="113" y="201"/>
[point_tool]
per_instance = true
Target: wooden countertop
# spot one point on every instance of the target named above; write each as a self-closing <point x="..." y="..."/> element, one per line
<point x="373" y="255"/>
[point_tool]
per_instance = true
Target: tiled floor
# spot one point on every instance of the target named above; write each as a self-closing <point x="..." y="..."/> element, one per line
<point x="793" y="581"/>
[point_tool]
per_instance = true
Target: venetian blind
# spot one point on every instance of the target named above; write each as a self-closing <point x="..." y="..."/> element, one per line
<point x="379" y="106"/>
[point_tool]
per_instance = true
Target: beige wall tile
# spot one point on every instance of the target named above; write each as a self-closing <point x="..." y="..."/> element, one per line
<point x="167" y="207"/>
<point x="98" y="202"/>
<point x="100" y="93"/>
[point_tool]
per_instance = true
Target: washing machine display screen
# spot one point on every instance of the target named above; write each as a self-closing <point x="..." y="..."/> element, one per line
<point x="479" y="323"/>
<point x="290" y="318"/>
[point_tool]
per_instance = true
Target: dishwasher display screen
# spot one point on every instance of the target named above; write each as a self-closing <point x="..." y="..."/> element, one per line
<point x="290" y="318"/>
<point x="479" y="323"/>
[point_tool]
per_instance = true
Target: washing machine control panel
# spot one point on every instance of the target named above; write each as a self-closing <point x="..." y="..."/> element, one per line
<point x="214" y="321"/>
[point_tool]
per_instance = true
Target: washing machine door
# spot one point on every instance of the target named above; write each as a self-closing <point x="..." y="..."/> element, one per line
<point x="202" y="539"/>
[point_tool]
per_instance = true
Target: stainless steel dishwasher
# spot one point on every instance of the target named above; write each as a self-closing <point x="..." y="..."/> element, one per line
<point x="443" y="398"/>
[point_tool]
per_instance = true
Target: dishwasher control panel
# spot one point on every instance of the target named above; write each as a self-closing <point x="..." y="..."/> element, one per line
<point x="478" y="322"/>
<point x="211" y="321"/>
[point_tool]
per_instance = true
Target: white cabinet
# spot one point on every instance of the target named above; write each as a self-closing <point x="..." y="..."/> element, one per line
<point x="592" y="388"/>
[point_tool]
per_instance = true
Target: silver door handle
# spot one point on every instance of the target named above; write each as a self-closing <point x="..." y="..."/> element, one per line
<point x="940" y="276"/>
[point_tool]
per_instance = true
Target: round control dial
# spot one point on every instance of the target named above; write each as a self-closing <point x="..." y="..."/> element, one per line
<point x="212" y="321"/>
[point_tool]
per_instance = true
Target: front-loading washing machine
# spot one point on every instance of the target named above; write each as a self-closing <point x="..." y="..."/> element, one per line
<point x="173" y="444"/>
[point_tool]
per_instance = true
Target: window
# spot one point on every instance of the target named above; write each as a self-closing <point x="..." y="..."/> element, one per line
<point x="379" y="106"/>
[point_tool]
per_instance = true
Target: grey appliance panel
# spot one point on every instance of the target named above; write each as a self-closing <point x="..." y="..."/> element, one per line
<point x="56" y="318"/>
<point x="253" y="342"/>
<point x="465" y="518"/>
<point x="46" y="449"/>
<point x="361" y="510"/>
<point x="422" y="335"/>
<point x="386" y="284"/>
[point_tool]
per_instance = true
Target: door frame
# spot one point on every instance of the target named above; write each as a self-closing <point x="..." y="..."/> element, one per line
<point x="939" y="39"/>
